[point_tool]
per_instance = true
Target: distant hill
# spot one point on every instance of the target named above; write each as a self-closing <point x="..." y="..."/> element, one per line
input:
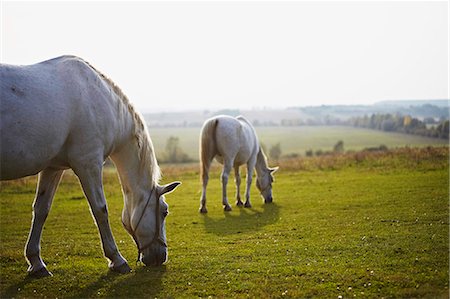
<point x="312" y="115"/>
<point x="405" y="103"/>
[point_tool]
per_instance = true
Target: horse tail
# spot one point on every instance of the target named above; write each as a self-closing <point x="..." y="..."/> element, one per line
<point x="208" y="148"/>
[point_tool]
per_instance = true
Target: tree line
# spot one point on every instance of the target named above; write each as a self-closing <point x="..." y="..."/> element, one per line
<point x="428" y="127"/>
<point x="403" y="124"/>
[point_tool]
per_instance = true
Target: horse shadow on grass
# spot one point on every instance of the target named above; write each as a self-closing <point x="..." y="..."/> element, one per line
<point x="247" y="220"/>
<point x="14" y="289"/>
<point x="142" y="282"/>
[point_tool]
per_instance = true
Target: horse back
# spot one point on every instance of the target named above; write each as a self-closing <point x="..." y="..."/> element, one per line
<point x="236" y="139"/>
<point x="42" y="106"/>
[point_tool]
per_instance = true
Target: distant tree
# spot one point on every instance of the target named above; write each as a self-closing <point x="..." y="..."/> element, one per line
<point x="173" y="153"/>
<point x="339" y="147"/>
<point x="309" y="153"/>
<point x="442" y="129"/>
<point x="407" y="121"/>
<point x="319" y="152"/>
<point x="388" y="125"/>
<point x="275" y="152"/>
<point x="429" y="120"/>
<point x="398" y="123"/>
<point x="373" y="122"/>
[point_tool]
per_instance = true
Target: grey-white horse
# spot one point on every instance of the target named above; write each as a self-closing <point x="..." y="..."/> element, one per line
<point x="61" y="114"/>
<point x="233" y="142"/>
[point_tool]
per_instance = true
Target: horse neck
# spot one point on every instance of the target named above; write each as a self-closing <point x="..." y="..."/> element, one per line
<point x="134" y="156"/>
<point x="136" y="182"/>
<point x="261" y="163"/>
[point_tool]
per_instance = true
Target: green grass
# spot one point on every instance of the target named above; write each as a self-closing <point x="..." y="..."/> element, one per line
<point x="362" y="226"/>
<point x="300" y="139"/>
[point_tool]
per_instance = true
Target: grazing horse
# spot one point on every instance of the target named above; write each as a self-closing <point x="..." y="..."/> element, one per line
<point x="61" y="114"/>
<point x="233" y="142"/>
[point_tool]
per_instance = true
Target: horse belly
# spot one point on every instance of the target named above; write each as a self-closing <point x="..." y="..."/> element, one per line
<point x="219" y="159"/>
<point x="237" y="161"/>
<point x="241" y="158"/>
<point x="23" y="154"/>
<point x="33" y="132"/>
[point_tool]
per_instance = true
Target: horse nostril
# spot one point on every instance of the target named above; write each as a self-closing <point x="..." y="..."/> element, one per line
<point x="154" y="258"/>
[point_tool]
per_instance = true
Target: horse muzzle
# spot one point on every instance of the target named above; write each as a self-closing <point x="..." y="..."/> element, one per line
<point x="268" y="200"/>
<point x="154" y="256"/>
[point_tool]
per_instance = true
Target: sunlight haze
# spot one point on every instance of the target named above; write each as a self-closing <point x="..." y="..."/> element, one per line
<point x="211" y="55"/>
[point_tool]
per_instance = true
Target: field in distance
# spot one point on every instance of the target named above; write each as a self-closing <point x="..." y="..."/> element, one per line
<point x="297" y="140"/>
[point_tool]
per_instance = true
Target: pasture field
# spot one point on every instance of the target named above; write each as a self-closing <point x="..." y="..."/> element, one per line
<point x="366" y="225"/>
<point x="297" y="140"/>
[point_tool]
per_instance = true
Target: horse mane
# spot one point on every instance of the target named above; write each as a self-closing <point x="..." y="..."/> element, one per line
<point x="261" y="158"/>
<point x="146" y="150"/>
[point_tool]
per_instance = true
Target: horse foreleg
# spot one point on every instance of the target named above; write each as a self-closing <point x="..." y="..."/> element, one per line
<point x="237" y="176"/>
<point x="47" y="184"/>
<point x="224" y="178"/>
<point x="91" y="181"/>
<point x="249" y="179"/>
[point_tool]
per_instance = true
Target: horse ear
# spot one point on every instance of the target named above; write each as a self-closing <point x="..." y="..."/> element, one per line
<point x="167" y="188"/>
<point x="272" y="170"/>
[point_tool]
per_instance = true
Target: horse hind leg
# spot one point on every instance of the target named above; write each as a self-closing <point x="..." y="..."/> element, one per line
<point x="224" y="177"/>
<point x="47" y="184"/>
<point x="206" y="157"/>
<point x="205" y="179"/>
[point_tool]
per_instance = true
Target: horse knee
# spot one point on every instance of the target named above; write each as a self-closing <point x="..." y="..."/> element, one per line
<point x="205" y="177"/>
<point x="224" y="178"/>
<point x="41" y="208"/>
<point x="100" y="213"/>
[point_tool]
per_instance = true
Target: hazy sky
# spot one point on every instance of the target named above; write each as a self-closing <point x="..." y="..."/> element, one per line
<point x="195" y="55"/>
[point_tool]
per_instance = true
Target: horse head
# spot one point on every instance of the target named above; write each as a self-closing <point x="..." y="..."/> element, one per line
<point x="145" y="222"/>
<point x="264" y="184"/>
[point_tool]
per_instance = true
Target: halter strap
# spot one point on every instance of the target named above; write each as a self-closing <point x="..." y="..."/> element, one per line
<point x="156" y="236"/>
<point x="267" y="187"/>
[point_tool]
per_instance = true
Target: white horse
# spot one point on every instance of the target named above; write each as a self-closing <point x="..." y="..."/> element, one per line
<point x="233" y="142"/>
<point x="61" y="114"/>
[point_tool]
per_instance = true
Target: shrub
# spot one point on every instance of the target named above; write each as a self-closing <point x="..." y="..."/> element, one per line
<point x="275" y="152"/>
<point x="339" y="147"/>
<point x="173" y="152"/>
<point x="319" y="152"/>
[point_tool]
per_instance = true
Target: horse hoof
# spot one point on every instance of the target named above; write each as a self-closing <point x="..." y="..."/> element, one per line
<point x="203" y="210"/>
<point x="227" y="208"/>
<point x="248" y="205"/>
<point x="122" y="269"/>
<point x="239" y="203"/>
<point x="41" y="273"/>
